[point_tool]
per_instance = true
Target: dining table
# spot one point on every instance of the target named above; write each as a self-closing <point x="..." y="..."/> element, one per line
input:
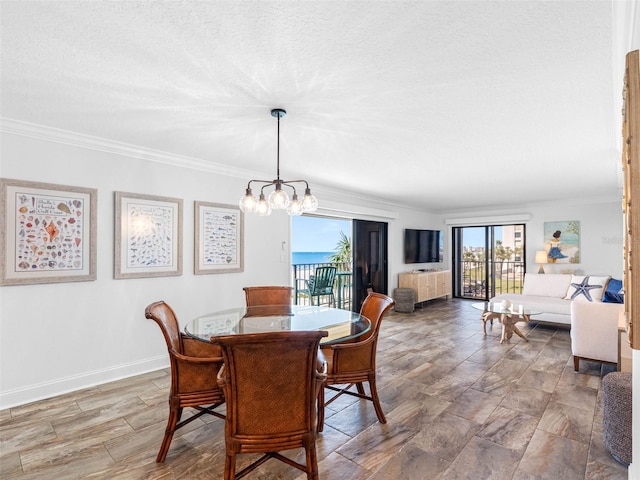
<point x="340" y="324"/>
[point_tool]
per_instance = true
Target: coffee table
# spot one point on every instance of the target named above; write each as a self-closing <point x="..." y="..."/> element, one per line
<point x="508" y="316"/>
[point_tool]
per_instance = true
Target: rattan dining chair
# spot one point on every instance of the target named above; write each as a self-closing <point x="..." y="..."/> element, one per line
<point x="194" y="369"/>
<point x="268" y="295"/>
<point x="354" y="362"/>
<point x="271" y="383"/>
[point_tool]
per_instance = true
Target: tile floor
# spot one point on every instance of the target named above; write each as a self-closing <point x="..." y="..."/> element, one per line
<point x="459" y="406"/>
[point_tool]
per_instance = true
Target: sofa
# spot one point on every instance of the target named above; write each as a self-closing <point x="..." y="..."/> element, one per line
<point x="554" y="293"/>
<point x="590" y="305"/>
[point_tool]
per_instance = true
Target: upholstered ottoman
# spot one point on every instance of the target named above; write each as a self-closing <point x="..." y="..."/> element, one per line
<point x="616" y="422"/>
<point x="405" y="299"/>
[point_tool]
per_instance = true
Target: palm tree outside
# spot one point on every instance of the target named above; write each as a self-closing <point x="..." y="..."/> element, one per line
<point x="342" y="255"/>
<point x="318" y="241"/>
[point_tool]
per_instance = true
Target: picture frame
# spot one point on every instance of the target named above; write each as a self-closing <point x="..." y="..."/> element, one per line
<point x="562" y="241"/>
<point x="219" y="238"/>
<point x="50" y="233"/>
<point x="148" y="236"/>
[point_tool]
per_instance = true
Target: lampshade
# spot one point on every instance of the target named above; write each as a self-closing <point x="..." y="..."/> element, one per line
<point x="541" y="258"/>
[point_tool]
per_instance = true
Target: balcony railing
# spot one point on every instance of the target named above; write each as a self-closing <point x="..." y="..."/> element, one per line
<point x="508" y="277"/>
<point x="342" y="289"/>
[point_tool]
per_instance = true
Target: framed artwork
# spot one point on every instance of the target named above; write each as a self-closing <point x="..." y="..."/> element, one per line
<point x="49" y="234"/>
<point x="219" y="238"/>
<point x="562" y="241"/>
<point x="148" y="236"/>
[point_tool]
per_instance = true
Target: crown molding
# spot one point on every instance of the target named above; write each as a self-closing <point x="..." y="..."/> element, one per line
<point x="66" y="137"/>
<point x="41" y="132"/>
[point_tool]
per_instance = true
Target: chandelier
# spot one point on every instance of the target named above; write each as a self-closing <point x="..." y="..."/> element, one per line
<point x="278" y="198"/>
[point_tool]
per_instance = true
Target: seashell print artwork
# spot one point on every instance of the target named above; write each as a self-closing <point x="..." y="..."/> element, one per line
<point x="48" y="233"/>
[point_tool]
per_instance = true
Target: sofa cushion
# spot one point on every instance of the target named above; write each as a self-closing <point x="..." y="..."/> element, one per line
<point x="614" y="292"/>
<point x="547" y="285"/>
<point x="587" y="288"/>
<point x="537" y="302"/>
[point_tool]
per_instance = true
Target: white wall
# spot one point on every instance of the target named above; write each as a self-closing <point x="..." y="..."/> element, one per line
<point x="65" y="336"/>
<point x="61" y="337"/>
<point x="600" y="231"/>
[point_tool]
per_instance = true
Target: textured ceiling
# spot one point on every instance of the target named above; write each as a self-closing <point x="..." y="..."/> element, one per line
<point x="441" y="105"/>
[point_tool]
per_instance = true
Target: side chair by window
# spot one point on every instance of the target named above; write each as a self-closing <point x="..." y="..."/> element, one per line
<point x="194" y="369"/>
<point x="268" y="295"/>
<point x="354" y="362"/>
<point x="271" y="384"/>
<point x="318" y="285"/>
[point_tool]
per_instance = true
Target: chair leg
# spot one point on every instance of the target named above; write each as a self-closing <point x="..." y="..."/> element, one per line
<point x="320" y="419"/>
<point x="376" y="400"/>
<point x="172" y="421"/>
<point x="576" y="363"/>
<point x="360" y="388"/>
<point x="312" y="462"/>
<point x="230" y="466"/>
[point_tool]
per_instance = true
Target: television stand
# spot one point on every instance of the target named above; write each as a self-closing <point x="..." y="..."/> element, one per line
<point x="427" y="285"/>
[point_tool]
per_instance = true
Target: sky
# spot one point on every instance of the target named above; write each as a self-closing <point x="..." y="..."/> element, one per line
<point x="321" y="234"/>
<point x="317" y="234"/>
<point x="474" y="236"/>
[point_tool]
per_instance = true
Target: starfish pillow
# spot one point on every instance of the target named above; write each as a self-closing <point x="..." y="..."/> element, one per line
<point x="586" y="288"/>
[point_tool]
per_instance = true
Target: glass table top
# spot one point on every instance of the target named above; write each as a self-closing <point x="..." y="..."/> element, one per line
<point x="514" y="309"/>
<point x="341" y="324"/>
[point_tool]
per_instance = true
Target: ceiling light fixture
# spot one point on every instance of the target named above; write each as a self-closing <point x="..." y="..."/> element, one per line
<point x="278" y="198"/>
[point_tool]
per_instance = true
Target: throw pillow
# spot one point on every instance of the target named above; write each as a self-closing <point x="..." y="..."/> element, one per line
<point x="586" y="288"/>
<point x="614" y="292"/>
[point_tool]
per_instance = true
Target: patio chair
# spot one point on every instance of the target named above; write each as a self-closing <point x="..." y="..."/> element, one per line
<point x="318" y="285"/>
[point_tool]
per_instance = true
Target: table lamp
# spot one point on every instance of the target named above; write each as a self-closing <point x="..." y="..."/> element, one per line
<point x="541" y="258"/>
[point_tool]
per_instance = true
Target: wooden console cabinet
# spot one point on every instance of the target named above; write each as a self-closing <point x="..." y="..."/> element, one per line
<point x="427" y="285"/>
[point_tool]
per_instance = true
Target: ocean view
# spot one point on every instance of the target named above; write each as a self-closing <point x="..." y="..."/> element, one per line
<point x="310" y="257"/>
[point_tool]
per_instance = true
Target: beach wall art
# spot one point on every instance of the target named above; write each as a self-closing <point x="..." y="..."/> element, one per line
<point x="562" y="241"/>
<point x="48" y="233"/>
<point x="219" y="238"/>
<point x="148" y="236"/>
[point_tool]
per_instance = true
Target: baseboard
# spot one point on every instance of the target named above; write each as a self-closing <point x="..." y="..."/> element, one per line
<point x="41" y="391"/>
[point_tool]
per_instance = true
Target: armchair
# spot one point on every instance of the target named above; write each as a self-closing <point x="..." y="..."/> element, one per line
<point x="594" y="331"/>
<point x="271" y="382"/>
<point x="194" y="367"/>
<point x="268" y="295"/>
<point x="353" y="363"/>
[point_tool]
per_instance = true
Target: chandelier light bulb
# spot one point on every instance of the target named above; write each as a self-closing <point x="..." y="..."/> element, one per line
<point x="248" y="202"/>
<point x="309" y="202"/>
<point x="278" y="199"/>
<point x="263" y="209"/>
<point x="295" y="206"/>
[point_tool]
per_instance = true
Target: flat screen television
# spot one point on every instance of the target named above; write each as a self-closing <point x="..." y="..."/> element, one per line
<point x="422" y="246"/>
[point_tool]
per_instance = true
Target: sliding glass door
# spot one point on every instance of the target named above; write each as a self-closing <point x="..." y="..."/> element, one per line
<point x="488" y="260"/>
